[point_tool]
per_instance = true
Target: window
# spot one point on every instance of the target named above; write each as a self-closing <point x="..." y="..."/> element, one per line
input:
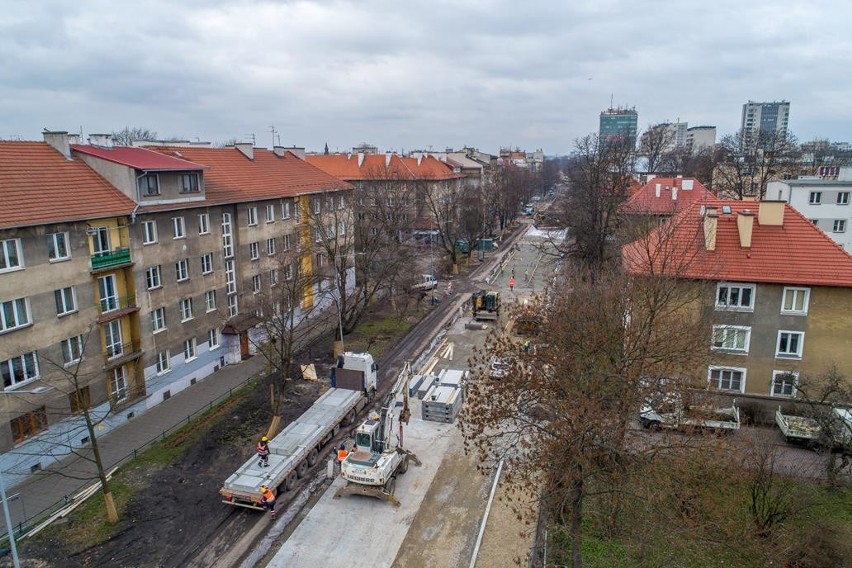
<point x="148" y="185"/>
<point x="180" y="227"/>
<point x="18" y="370"/>
<point x="118" y="385"/>
<point x="100" y="240"/>
<point x="285" y="210"/>
<point x="14" y="314"/>
<point x="255" y="283"/>
<point x="182" y="270"/>
<point x="273" y="277"/>
<point x="317" y="235"/>
<point x="210" y="300"/>
<point x="108" y="293"/>
<point x="188" y="183"/>
<point x="203" y="224"/>
<point x="815" y="198"/>
<point x="730" y="379"/>
<point x="149" y="232"/>
<point x="112" y="339"/>
<point x="790" y="344"/>
<point x="227" y="240"/>
<point x="252" y="215"/>
<point x="339" y="202"/>
<point x="297" y="211"/>
<point x="316" y="205"/>
<point x="158" y="319"/>
<point x="735" y="296"/>
<point x="320" y="260"/>
<point x="66" y="300"/>
<point x="254" y="251"/>
<point x="270" y="213"/>
<point x="233" y="308"/>
<point x="270" y="246"/>
<point x="839" y="226"/>
<point x="230" y="277"/>
<point x="10" y="255"/>
<point x="815" y="222"/>
<point x="80" y="400"/>
<point x="185" y="309"/>
<point x="213" y="338"/>
<point x="288" y="241"/>
<point x="207" y="263"/>
<point x="164" y="364"/>
<point x="29" y="424"/>
<point x="731" y="338"/>
<point x="152" y="277"/>
<point x="189" y="349"/>
<point x="288" y="272"/>
<point x="57" y="247"/>
<point x="72" y="350"/>
<point x="843" y="198"/>
<point x="784" y="383"/>
<point x="795" y="301"/>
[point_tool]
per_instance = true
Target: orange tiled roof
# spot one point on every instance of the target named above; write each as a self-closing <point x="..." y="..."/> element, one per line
<point x="377" y="167"/>
<point x="674" y="195"/>
<point x="795" y="252"/>
<point x="231" y="177"/>
<point x="39" y="185"/>
<point x="138" y="158"/>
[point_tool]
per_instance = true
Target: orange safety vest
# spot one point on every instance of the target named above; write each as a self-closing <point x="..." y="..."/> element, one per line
<point x="341" y="455"/>
<point x="262" y="449"/>
<point x="268" y="496"/>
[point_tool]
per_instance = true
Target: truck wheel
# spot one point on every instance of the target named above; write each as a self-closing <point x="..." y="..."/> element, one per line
<point x="350" y="418"/>
<point x="302" y="469"/>
<point x="290" y="482"/>
<point x="403" y="467"/>
<point x="313" y="457"/>
<point x="335" y="430"/>
<point x="654" y="426"/>
<point x="390" y="486"/>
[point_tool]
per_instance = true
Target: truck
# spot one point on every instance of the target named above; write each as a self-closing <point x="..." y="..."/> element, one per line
<point x="485" y="305"/>
<point x="296" y="449"/>
<point x="675" y="415"/>
<point x="427" y="283"/>
<point x="798" y="429"/>
<point x="379" y="455"/>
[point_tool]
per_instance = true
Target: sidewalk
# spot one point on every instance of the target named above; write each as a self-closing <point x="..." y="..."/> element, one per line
<point x="49" y="491"/>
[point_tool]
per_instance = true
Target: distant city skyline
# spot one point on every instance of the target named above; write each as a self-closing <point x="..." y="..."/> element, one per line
<point x="489" y="74"/>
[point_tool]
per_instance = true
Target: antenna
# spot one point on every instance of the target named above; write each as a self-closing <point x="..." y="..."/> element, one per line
<point x="272" y="129"/>
<point x="610" y="100"/>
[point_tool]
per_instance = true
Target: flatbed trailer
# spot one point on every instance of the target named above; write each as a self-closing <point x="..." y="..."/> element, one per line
<point x="798" y="428"/>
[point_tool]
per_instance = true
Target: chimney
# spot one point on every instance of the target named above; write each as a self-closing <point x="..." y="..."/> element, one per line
<point x="387" y="159"/>
<point x="657" y="190"/>
<point x="298" y="152"/>
<point x="59" y="142"/>
<point x="771" y="213"/>
<point x="246" y="149"/>
<point x="102" y="140"/>
<point x="674" y="193"/>
<point x="360" y="159"/>
<point x="279" y="151"/>
<point x="745" y="227"/>
<point x="710" y="222"/>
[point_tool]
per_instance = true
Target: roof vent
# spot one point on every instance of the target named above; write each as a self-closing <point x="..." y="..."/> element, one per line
<point x="102" y="140"/>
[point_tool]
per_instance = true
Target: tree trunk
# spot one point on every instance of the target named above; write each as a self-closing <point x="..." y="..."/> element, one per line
<point x="112" y="513"/>
<point x="577" y="524"/>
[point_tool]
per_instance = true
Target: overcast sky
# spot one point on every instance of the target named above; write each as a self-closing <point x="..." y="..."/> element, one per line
<point x="407" y="75"/>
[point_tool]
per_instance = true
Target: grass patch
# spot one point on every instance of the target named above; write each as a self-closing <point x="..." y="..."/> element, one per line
<point x="377" y="333"/>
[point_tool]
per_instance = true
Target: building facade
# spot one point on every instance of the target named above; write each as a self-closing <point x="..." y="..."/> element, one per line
<point x="700" y="137"/>
<point x="619" y="125"/>
<point x="769" y="118"/>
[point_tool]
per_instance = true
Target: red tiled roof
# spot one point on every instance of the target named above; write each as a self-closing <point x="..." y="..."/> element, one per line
<point x="673" y="196"/>
<point x="795" y="252"/>
<point x="377" y="167"/>
<point x="39" y="185"/>
<point x="139" y="158"/>
<point x="231" y="177"/>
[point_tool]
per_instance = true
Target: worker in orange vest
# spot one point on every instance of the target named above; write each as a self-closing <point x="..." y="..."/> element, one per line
<point x="512" y="283"/>
<point x="267" y="499"/>
<point x="263" y="452"/>
<point x="341" y="453"/>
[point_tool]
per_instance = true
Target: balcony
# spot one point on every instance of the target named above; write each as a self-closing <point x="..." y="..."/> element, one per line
<point x="114" y="307"/>
<point x="120" y="353"/>
<point x="111" y="259"/>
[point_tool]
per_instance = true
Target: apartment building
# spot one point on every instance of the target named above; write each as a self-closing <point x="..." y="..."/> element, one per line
<point x="780" y="297"/>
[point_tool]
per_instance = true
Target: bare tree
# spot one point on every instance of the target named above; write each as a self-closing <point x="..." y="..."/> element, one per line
<point x="746" y="162"/>
<point x="128" y="135"/>
<point x="655" y="143"/>
<point x="443" y="201"/>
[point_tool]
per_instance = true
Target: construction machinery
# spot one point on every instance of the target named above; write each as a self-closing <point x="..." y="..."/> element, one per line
<point x="485" y="305"/>
<point x="379" y="456"/>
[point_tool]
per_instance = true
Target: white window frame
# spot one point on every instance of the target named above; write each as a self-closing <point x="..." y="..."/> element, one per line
<point x="316" y="205"/>
<point x="179" y="226"/>
<point x="729" y="286"/>
<point x="270" y="213"/>
<point x="118" y="384"/>
<point x="213" y="339"/>
<point x="144" y="186"/>
<point x="72" y="350"/>
<point x="190" y="350"/>
<point x="55" y="241"/>
<point x="843" y="198"/>
<point x="716" y="383"/>
<point x="254" y="250"/>
<point x="838" y="226"/>
<point x="227" y="237"/>
<point x="113" y="339"/>
<point x="317" y="235"/>
<point x="270" y="247"/>
<point x="256" y="284"/>
<point x="210" y="300"/>
<point x="252" y="216"/>
<point x="288" y="271"/>
<point x="152" y="274"/>
<point x="158" y="319"/>
<point x="775" y="375"/>
<point x="164" y="363"/>
<point x="11" y="249"/>
<point x="273" y="277"/>
<point x="233" y="305"/>
<point x="185" y="306"/>
<point x="230" y="277"/>
<point x="203" y="223"/>
<point x="149" y="232"/>
<point x="285" y="209"/>
<point x="787" y="354"/>
<point x="815" y="198"/>
<point x="207" y="263"/>
<point x="19" y="310"/>
<point x="189" y="183"/>
<point x="67" y="297"/>
<point x="795" y="293"/>
<point x="26" y="363"/>
<point x="288" y="241"/>
<point x="182" y="270"/>
<point x="730" y="332"/>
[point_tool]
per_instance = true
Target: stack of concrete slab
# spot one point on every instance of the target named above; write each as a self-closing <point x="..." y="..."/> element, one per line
<point x="424" y="383"/>
<point x="442" y="404"/>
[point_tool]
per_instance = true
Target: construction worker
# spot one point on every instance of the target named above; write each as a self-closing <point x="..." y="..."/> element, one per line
<point x="512" y="283"/>
<point x="263" y="452"/>
<point x="341" y="453"/>
<point x="527" y="346"/>
<point x="267" y="499"/>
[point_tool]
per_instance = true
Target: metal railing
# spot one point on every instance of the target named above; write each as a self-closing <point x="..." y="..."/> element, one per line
<point x="107" y="259"/>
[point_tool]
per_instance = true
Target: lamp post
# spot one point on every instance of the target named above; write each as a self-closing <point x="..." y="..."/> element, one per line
<point x="338" y="347"/>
